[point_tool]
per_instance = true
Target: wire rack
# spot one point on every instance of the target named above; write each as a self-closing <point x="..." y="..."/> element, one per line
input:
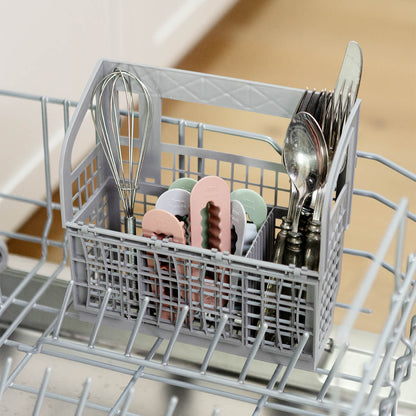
<point x="52" y="362"/>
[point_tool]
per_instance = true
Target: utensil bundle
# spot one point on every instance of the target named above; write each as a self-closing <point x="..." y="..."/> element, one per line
<point x="309" y="148"/>
<point x="208" y="214"/>
<point x="203" y="214"/>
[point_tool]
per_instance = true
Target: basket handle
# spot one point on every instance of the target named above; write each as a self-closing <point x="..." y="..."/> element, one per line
<point x="347" y="147"/>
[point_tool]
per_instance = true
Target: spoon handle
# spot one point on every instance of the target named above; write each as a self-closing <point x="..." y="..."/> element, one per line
<point x="298" y="210"/>
<point x="293" y="253"/>
<point x="313" y="245"/>
<point x="286" y="225"/>
<point x="293" y="200"/>
<point x="280" y="245"/>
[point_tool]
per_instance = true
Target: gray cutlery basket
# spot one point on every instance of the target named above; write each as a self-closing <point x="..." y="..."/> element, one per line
<point x="171" y="280"/>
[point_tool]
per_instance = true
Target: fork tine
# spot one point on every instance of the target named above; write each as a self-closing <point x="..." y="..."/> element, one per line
<point x="327" y="97"/>
<point x="331" y="123"/>
<point x="316" y="105"/>
<point x="318" y="110"/>
<point x="301" y="101"/>
<point x="308" y="106"/>
<point x="339" y="122"/>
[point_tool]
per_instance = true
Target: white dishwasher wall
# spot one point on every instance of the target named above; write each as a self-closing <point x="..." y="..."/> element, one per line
<point x="51" y="47"/>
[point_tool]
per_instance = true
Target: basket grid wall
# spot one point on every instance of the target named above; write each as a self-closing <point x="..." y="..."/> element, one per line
<point x="330" y="284"/>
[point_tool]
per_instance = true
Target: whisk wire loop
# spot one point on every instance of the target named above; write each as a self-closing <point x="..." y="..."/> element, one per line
<point x="106" y="117"/>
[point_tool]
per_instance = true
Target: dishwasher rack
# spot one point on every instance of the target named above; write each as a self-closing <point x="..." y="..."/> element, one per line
<point x="52" y="361"/>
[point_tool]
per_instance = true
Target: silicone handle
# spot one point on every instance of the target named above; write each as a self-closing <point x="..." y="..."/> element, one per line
<point x="161" y="224"/>
<point x="214" y="191"/>
<point x="253" y="204"/>
<point x="176" y="201"/>
<point x="183" y="183"/>
<point x="239" y="222"/>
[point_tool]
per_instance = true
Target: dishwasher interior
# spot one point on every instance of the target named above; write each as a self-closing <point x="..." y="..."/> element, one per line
<point x="52" y="361"/>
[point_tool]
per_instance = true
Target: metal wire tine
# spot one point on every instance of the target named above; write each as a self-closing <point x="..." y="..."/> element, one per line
<point x="213" y="344"/>
<point x="63" y="309"/>
<point x="42" y="392"/>
<point x="130" y="128"/>
<point x="6" y="372"/>
<point x="148" y="123"/>
<point x="389" y="403"/>
<point x="332" y="372"/>
<point x="114" y="118"/>
<point x="270" y="386"/>
<point x="135" y="331"/>
<point x="115" y="156"/>
<point x="127" y="402"/>
<point x="103" y="135"/>
<point x="174" y="337"/>
<point x="253" y="351"/>
<point x="173" y="402"/>
<point x="83" y="399"/>
<point x="301" y="101"/>
<point x="292" y="363"/>
<point x="131" y="149"/>
<point x="100" y="318"/>
<point x="403" y="365"/>
<point x="115" y="409"/>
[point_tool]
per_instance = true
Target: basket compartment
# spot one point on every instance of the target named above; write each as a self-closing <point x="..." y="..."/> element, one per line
<point x="211" y="284"/>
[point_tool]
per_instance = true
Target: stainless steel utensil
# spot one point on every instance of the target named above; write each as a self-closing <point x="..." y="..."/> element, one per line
<point x="305" y="157"/>
<point x="315" y="104"/>
<point x="306" y="161"/>
<point x="346" y="90"/>
<point x="345" y="94"/>
<point x="105" y="110"/>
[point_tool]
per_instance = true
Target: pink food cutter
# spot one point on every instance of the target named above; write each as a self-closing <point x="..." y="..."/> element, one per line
<point x="163" y="224"/>
<point x="214" y="192"/>
<point x="176" y="201"/>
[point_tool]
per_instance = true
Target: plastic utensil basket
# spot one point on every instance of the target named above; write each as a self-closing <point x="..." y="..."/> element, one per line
<point x="155" y="280"/>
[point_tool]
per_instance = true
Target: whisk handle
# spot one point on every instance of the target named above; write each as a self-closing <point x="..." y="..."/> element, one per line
<point x="130" y="225"/>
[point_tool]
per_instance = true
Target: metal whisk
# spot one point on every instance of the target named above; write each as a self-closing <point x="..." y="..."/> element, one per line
<point x="105" y="109"/>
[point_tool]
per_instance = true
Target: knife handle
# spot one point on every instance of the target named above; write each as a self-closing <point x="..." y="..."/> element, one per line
<point x="293" y="253"/>
<point x="285" y="226"/>
<point x="313" y="245"/>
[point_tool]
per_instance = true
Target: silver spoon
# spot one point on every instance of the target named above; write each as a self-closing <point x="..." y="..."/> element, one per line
<point x="303" y="131"/>
<point x="305" y="156"/>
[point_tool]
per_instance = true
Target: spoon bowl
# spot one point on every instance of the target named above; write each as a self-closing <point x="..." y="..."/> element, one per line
<point x="305" y="157"/>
